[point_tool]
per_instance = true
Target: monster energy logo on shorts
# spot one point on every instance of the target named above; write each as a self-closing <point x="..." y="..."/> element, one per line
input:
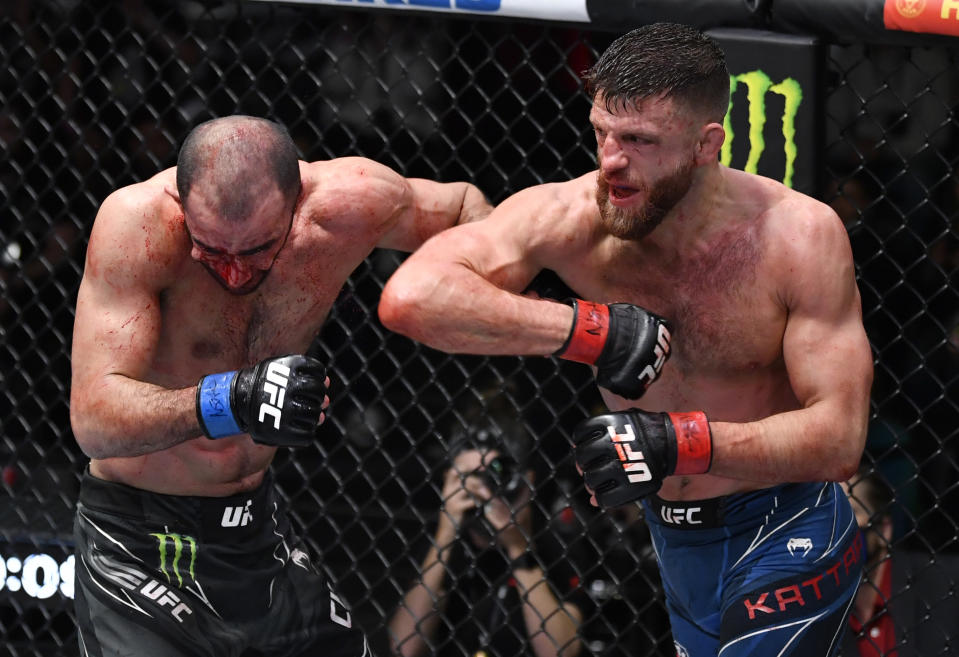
<point x="758" y="84"/>
<point x="172" y="548"/>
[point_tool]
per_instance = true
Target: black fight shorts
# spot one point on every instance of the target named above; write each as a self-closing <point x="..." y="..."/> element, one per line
<point x="166" y="575"/>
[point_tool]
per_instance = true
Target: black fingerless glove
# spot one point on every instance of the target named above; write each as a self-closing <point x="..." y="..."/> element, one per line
<point x="628" y="345"/>
<point x="625" y="456"/>
<point x="278" y="401"/>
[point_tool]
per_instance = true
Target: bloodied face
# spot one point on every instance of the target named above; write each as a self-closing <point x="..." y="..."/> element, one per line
<point x="238" y="254"/>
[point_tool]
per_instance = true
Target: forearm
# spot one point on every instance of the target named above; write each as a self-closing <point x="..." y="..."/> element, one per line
<point x="551" y="625"/>
<point x="458" y="311"/>
<point x="416" y="619"/>
<point x="131" y="418"/>
<point x="809" y="444"/>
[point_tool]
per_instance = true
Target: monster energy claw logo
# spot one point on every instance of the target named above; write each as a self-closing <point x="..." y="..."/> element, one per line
<point x="177" y="543"/>
<point x="757" y="85"/>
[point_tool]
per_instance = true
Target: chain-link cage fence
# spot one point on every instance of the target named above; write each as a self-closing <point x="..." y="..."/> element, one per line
<point x="97" y="95"/>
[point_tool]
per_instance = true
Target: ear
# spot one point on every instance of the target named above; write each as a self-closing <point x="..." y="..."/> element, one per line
<point x="172" y="192"/>
<point x="711" y="139"/>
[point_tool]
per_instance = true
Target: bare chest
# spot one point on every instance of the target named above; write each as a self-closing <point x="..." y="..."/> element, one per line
<point x="722" y="326"/>
<point x="724" y="313"/>
<point x="207" y="329"/>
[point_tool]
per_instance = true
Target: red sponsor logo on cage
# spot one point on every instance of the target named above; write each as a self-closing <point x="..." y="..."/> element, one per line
<point x="928" y="16"/>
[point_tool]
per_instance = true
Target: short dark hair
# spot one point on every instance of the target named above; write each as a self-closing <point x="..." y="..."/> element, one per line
<point x="238" y="156"/>
<point x="668" y="59"/>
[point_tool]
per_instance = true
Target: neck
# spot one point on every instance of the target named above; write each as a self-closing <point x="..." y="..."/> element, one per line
<point x="695" y="217"/>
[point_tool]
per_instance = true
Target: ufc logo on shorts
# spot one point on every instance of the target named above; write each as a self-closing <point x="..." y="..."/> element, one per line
<point x="637" y="470"/>
<point x="277" y="377"/>
<point x="164" y="597"/>
<point x="679" y="516"/>
<point x="651" y="371"/>
<point x="237" y="516"/>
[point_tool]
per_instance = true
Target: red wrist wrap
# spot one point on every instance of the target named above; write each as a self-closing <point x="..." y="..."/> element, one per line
<point x="694" y="443"/>
<point x="588" y="335"/>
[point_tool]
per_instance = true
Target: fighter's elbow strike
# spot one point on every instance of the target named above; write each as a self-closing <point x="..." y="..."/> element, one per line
<point x="402" y="302"/>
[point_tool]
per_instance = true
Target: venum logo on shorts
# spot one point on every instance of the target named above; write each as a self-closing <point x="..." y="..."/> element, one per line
<point x="800" y="545"/>
<point x="803" y="595"/>
<point x="661" y="351"/>
<point x="680" y="515"/>
<point x="680" y="650"/>
<point x="301" y="559"/>
<point x="277" y="379"/>
<point x="634" y="463"/>
<point x="237" y="516"/>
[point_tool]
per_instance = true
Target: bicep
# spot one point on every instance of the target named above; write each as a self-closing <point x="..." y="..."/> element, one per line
<point x="825" y="347"/>
<point x="426" y="208"/>
<point x="113" y="334"/>
<point x="499" y="249"/>
<point x="117" y="322"/>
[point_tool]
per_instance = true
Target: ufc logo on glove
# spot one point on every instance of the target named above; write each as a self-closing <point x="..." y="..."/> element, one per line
<point x="277" y="377"/>
<point x="637" y="470"/>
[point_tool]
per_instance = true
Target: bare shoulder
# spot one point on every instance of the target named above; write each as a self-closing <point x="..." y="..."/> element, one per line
<point x="353" y="188"/>
<point x="808" y="254"/>
<point x="801" y="226"/>
<point x="560" y="215"/>
<point x="139" y="228"/>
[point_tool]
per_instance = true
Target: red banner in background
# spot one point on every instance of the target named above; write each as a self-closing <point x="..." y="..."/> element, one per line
<point x="930" y="16"/>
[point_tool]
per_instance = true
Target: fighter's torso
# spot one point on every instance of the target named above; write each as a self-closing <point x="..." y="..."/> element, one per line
<point x="728" y="320"/>
<point x="206" y="329"/>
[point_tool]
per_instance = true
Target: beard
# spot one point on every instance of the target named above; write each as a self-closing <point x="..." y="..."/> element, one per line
<point x="662" y="196"/>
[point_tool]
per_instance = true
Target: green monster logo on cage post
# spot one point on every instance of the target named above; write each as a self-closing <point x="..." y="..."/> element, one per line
<point x="177" y="541"/>
<point x="757" y="85"/>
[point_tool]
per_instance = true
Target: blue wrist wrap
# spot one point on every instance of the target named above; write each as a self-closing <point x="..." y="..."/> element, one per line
<point x="213" y="405"/>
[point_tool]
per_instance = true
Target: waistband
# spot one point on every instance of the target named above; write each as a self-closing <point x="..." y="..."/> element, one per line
<point x="234" y="515"/>
<point x="730" y="509"/>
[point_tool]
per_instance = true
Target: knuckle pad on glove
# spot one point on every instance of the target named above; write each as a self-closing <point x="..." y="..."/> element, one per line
<point x="593" y="454"/>
<point x="588" y="430"/>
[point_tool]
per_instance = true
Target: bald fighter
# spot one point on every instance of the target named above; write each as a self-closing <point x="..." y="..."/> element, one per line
<point x="202" y="291"/>
<point x="720" y="312"/>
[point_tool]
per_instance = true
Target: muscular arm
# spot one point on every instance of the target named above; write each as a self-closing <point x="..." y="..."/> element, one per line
<point x="829" y="362"/>
<point x="428" y="208"/>
<point x="112" y="410"/>
<point x="460" y="292"/>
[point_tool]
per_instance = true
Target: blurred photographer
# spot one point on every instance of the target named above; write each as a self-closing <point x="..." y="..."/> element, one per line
<point x="482" y="589"/>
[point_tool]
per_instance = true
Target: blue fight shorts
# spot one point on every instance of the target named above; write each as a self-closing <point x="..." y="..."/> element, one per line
<point x="769" y="572"/>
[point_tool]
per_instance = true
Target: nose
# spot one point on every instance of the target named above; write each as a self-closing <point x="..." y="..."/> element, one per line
<point x="611" y="156"/>
<point x="233" y="272"/>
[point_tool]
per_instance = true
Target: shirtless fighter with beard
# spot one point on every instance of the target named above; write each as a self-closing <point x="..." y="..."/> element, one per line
<point x="724" y="299"/>
<point x="202" y="290"/>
